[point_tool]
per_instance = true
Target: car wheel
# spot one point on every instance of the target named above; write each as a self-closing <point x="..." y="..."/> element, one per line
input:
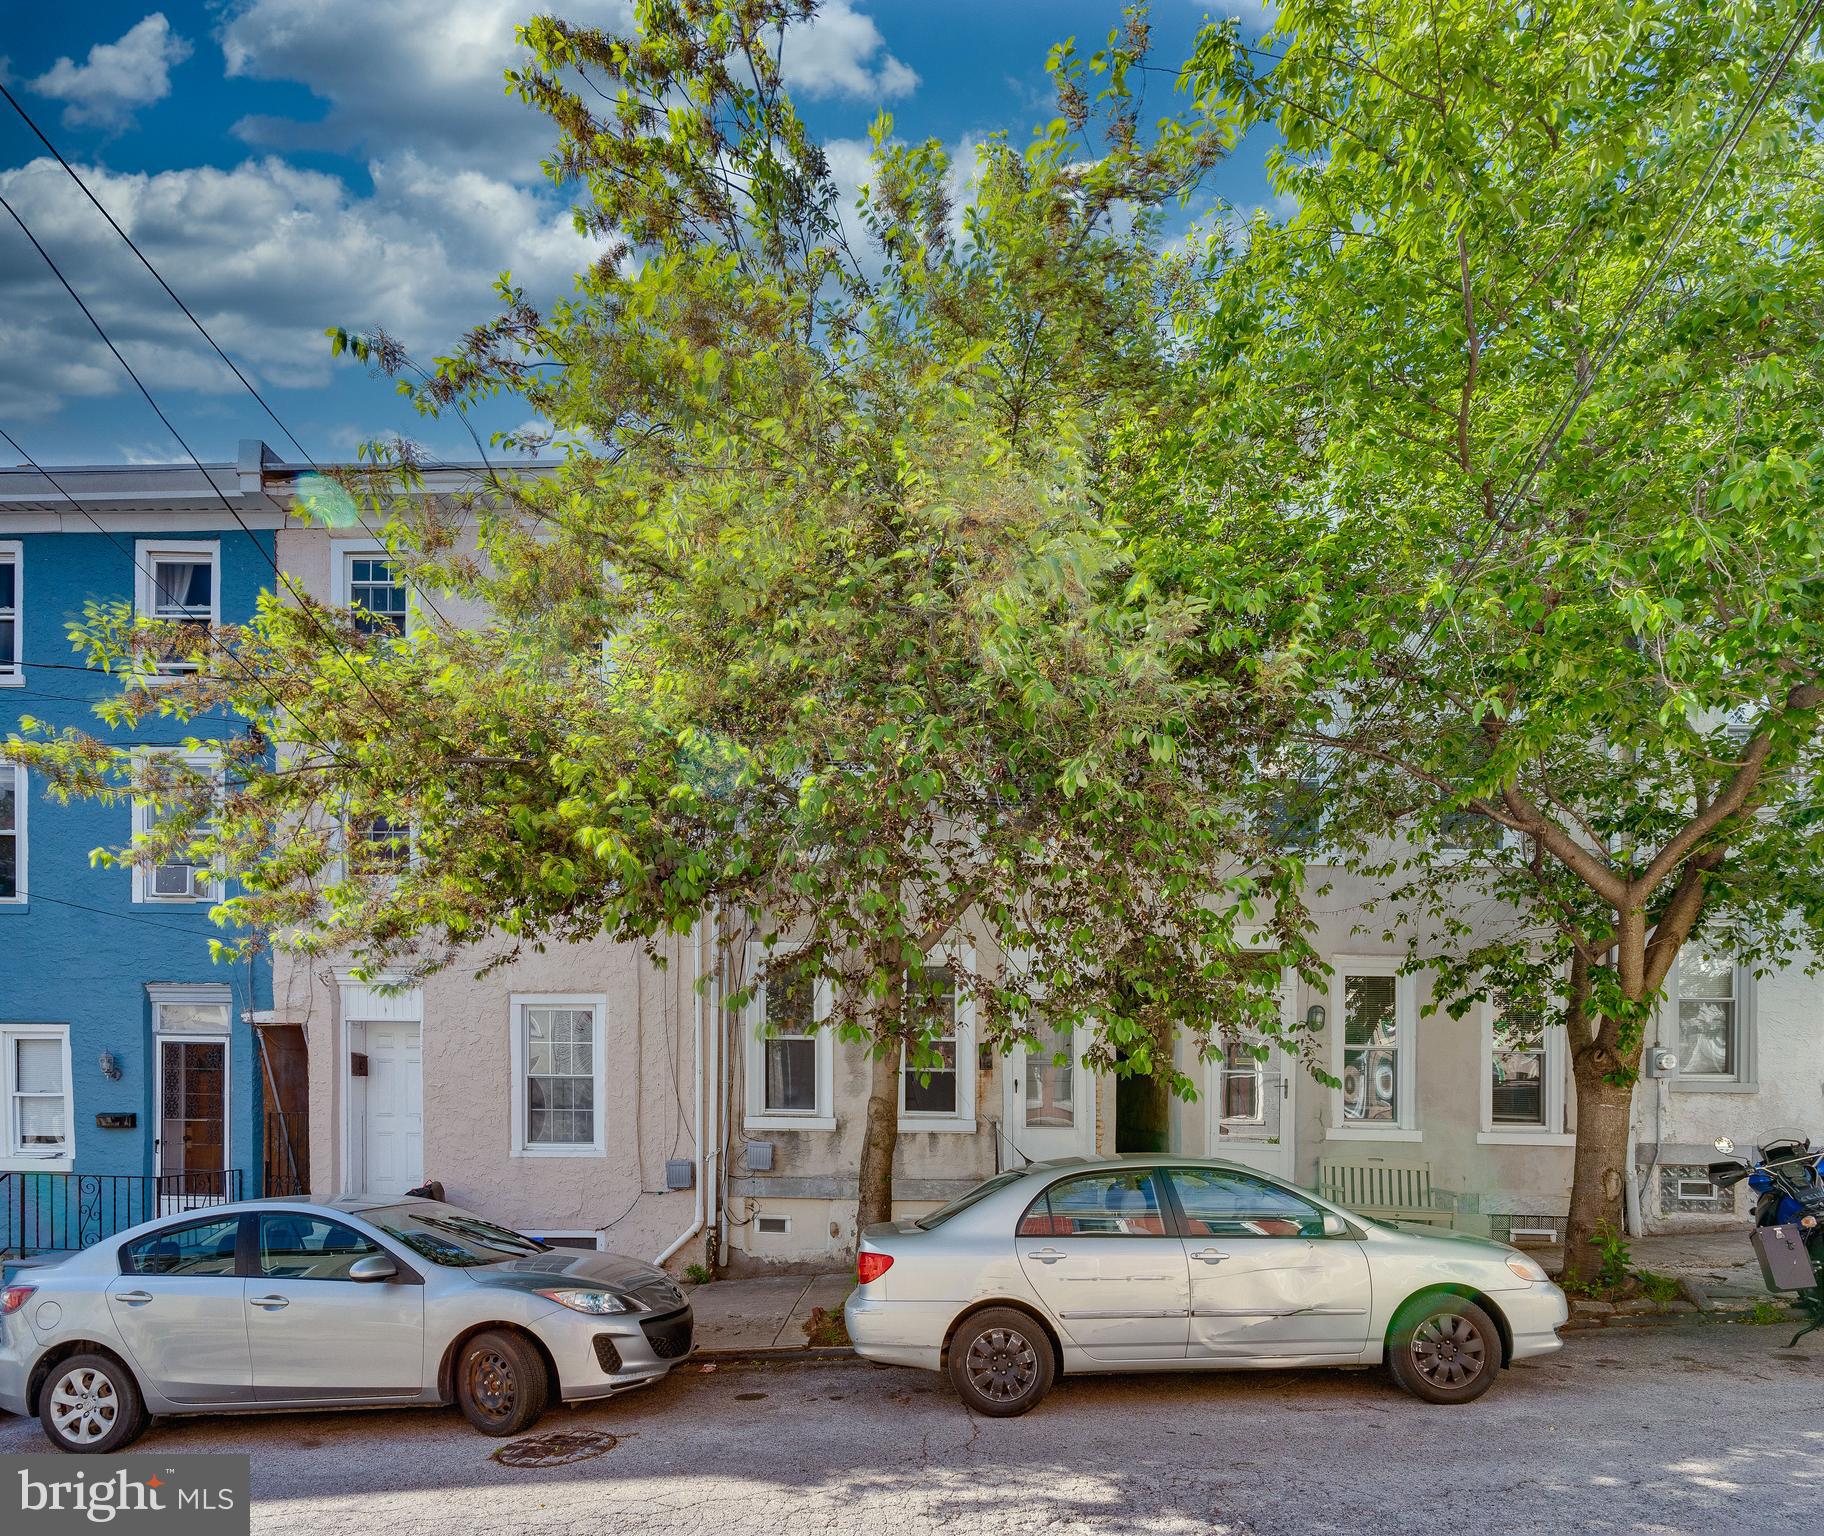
<point x="1001" y="1363"/>
<point x="91" y="1404"/>
<point x="501" y="1383"/>
<point x="1444" y="1349"/>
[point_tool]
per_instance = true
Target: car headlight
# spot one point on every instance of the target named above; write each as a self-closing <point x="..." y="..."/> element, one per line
<point x="595" y="1303"/>
<point x="1527" y="1269"/>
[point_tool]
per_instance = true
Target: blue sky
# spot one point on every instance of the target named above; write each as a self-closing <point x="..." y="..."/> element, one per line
<point x="293" y="164"/>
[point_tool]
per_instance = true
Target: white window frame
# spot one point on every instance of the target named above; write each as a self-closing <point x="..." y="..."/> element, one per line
<point x="1405" y="1017"/>
<point x="961" y="957"/>
<point x="143" y="894"/>
<point x="13" y="1159"/>
<point x="1745" y="1077"/>
<point x="1554" y="1071"/>
<point x="22" y="844"/>
<point x="757" y="1116"/>
<point x="343" y="554"/>
<point x="12" y="552"/>
<point x="148" y="551"/>
<point x="597" y="1003"/>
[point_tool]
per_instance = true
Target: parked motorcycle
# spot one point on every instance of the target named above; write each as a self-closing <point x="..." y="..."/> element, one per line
<point x="1788" y="1180"/>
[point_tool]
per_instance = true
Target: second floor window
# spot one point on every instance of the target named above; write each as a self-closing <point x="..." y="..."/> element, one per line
<point x="12" y="642"/>
<point x="376" y="594"/>
<point x="180" y="584"/>
<point x="12" y="832"/>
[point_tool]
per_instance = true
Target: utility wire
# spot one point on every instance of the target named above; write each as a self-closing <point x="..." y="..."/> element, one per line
<point x="189" y="314"/>
<point x="232" y="510"/>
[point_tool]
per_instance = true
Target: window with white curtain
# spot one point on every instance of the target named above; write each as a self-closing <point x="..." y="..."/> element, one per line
<point x="35" y="1066"/>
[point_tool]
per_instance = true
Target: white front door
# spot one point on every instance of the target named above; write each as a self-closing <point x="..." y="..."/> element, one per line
<point x="1050" y="1104"/>
<point x="1251" y="1110"/>
<point x="393" y="1135"/>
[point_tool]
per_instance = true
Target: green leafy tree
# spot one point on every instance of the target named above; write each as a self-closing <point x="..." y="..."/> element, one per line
<point x="1512" y="432"/>
<point x="820" y="624"/>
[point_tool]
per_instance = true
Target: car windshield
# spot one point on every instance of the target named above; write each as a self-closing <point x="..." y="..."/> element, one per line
<point x="452" y="1237"/>
<point x="962" y="1202"/>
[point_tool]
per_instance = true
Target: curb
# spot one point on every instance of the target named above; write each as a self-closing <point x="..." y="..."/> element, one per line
<point x="763" y="1356"/>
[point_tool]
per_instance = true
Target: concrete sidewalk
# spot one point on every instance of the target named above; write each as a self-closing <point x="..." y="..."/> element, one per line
<point x="1722" y="1263"/>
<point x="744" y="1317"/>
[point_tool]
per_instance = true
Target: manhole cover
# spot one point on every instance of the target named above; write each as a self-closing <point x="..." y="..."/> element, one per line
<point x="556" y="1450"/>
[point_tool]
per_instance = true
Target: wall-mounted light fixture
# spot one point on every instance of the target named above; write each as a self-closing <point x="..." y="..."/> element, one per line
<point x="110" y="1066"/>
<point x="1314" y="1016"/>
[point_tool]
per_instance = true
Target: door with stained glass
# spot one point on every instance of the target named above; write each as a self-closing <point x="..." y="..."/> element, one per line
<point x="192" y="1146"/>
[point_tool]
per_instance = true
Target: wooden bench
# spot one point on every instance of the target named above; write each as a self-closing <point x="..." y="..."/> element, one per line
<point x="1394" y="1191"/>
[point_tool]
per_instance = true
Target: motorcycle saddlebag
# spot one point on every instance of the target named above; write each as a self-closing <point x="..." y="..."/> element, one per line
<point x="1785" y="1262"/>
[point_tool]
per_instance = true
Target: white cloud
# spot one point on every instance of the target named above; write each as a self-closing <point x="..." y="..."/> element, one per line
<point x="425" y="75"/>
<point x="841" y="53"/>
<point x="119" y="78"/>
<point x="268" y="255"/>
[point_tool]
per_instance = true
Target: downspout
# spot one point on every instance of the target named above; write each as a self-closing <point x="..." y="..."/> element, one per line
<point x="696" y="994"/>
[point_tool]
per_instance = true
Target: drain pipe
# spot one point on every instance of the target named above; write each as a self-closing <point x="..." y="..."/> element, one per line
<point x="696" y="994"/>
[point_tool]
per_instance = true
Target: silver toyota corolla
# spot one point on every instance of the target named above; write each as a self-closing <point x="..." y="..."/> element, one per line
<point x="356" y="1302"/>
<point x="1176" y="1263"/>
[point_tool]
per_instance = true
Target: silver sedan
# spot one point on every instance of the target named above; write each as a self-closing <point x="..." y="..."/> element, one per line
<point x="289" y="1304"/>
<point x="1182" y="1264"/>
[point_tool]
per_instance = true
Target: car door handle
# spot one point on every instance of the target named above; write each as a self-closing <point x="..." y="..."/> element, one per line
<point x="1210" y="1255"/>
<point x="134" y="1298"/>
<point x="270" y="1303"/>
<point x="1046" y="1255"/>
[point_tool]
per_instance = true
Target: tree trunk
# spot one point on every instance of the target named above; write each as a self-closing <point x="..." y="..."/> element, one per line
<point x="1604" y="1132"/>
<point x="880" y="1138"/>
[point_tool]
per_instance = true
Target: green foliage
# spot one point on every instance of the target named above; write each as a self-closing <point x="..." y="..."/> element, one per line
<point x="698" y="1274"/>
<point x="1613" y="1259"/>
<point x="820" y="624"/>
<point x="1657" y="1288"/>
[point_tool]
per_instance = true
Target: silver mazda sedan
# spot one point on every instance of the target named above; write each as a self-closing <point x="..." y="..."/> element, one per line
<point x="356" y="1302"/>
<point x="1165" y="1263"/>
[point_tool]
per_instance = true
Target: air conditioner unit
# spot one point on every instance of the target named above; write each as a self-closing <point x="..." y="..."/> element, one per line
<point x="174" y="880"/>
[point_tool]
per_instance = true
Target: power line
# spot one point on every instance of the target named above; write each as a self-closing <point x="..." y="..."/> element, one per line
<point x="232" y="510"/>
<point x="190" y="315"/>
<point x="232" y="655"/>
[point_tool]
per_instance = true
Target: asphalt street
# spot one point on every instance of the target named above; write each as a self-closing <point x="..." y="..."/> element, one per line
<point x="1694" y="1428"/>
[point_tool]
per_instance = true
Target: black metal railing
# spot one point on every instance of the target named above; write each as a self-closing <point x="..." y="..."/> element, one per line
<point x="58" y="1212"/>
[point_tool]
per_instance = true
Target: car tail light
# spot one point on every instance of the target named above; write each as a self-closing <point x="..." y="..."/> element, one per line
<point x="871" y="1266"/>
<point x="14" y="1297"/>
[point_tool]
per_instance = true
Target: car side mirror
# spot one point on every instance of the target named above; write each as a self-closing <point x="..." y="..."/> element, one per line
<point x="372" y="1269"/>
<point x="1334" y="1225"/>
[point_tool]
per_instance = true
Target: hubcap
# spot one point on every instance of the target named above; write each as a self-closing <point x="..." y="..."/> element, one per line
<point x="1448" y="1350"/>
<point x="84" y="1405"/>
<point x="1001" y="1365"/>
<point x="491" y="1383"/>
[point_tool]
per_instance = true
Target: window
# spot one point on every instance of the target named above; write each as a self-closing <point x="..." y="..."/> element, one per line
<point x="790" y="1070"/>
<point x="180" y="584"/>
<point x="1468" y="834"/>
<point x="376" y="594"/>
<point x="1523" y="1069"/>
<point x="1218" y="1202"/>
<point x="1709" y="1025"/>
<point x="936" y="1080"/>
<point x="294" y="1245"/>
<point x="35" y="1077"/>
<point x="378" y="845"/>
<point x="178" y="878"/>
<point x="197" y="1248"/>
<point x="12" y="630"/>
<point x="557" y="1075"/>
<point x="789" y="1083"/>
<point x="1114" y="1203"/>
<point x="1371" y="1050"/>
<point x="1293" y="818"/>
<point x="12" y="833"/>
